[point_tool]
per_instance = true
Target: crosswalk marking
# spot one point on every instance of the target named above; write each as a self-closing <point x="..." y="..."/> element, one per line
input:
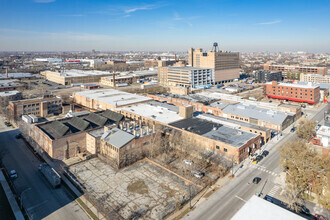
<point x="261" y="168"/>
<point x="274" y="190"/>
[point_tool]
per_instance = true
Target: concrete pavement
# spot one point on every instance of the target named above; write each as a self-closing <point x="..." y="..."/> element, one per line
<point x="41" y="201"/>
<point x="224" y="203"/>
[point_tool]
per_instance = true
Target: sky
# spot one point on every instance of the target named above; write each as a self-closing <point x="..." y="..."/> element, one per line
<point x="173" y="25"/>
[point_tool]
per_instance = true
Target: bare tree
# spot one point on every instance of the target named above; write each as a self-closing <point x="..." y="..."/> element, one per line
<point x="306" y="129"/>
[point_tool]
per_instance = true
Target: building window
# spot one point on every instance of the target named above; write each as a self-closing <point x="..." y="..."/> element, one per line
<point x="225" y="149"/>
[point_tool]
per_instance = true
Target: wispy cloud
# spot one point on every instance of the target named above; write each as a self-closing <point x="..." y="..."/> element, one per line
<point x="44" y="1"/>
<point x="140" y="8"/>
<point x="187" y="20"/>
<point x="270" y="22"/>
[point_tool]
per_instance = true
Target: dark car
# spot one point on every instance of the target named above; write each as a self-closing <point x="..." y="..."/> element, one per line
<point x="256" y="180"/>
<point x="304" y="210"/>
<point x="293" y="129"/>
<point x="259" y="157"/>
<point x="319" y="217"/>
<point x="265" y="153"/>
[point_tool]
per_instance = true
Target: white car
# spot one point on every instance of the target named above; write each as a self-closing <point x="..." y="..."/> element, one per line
<point x="13" y="174"/>
<point x="189" y="162"/>
<point x="199" y="175"/>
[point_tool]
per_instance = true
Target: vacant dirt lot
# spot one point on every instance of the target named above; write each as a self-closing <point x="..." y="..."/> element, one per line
<point x="142" y="190"/>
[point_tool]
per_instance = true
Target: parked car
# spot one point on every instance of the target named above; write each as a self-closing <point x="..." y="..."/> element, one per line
<point x="265" y="153"/>
<point x="259" y="157"/>
<point x="256" y="180"/>
<point x="13" y="174"/>
<point x="199" y="175"/>
<point x="305" y="210"/>
<point x="293" y="129"/>
<point x="189" y="162"/>
<point x="319" y="217"/>
<point x="269" y="199"/>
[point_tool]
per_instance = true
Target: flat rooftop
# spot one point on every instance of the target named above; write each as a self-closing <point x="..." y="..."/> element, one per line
<point x="252" y="111"/>
<point x="257" y="208"/>
<point x="79" y="73"/>
<point x="9" y="93"/>
<point x="17" y="75"/>
<point x="294" y="85"/>
<point x="221" y="96"/>
<point x="291" y="66"/>
<point x="322" y="86"/>
<point x="187" y="68"/>
<point x="157" y="111"/>
<point x="114" y="97"/>
<point x="230" y="122"/>
<point x="9" y="83"/>
<point x="192" y="97"/>
<point x="215" y="131"/>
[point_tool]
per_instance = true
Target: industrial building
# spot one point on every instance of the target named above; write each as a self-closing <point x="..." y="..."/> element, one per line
<point x="232" y="143"/>
<point x="107" y="99"/>
<point x="265" y="133"/>
<point x="69" y="77"/>
<point x="252" y="114"/>
<point x="225" y="64"/>
<point x="296" y="69"/>
<point x="18" y="76"/>
<point x="41" y="107"/>
<point x="213" y="103"/>
<point x="10" y="85"/>
<point x="128" y="77"/>
<point x="314" y="78"/>
<point x="268" y="76"/>
<point x="64" y="138"/>
<point x="294" y="92"/>
<point x="193" y="77"/>
<point x="10" y="96"/>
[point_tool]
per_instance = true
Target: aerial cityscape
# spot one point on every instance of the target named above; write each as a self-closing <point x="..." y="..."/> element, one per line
<point x="172" y="110"/>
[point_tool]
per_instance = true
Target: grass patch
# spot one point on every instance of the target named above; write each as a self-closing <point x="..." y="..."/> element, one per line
<point x="84" y="206"/>
<point x="139" y="187"/>
<point x="207" y="195"/>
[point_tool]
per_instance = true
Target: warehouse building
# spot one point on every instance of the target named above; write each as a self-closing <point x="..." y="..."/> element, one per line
<point x="107" y="99"/>
<point x="10" y="85"/>
<point x="69" y="77"/>
<point x="275" y="120"/>
<point x="232" y="143"/>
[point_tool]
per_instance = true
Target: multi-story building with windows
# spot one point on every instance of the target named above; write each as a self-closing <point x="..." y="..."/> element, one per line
<point x="268" y="76"/>
<point x="314" y="78"/>
<point x="195" y="77"/>
<point x="42" y="107"/>
<point x="296" y="69"/>
<point x="293" y="92"/>
<point x="225" y="64"/>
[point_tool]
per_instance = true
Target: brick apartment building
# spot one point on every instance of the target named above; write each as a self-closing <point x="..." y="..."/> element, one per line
<point x="295" y="69"/>
<point x="293" y="92"/>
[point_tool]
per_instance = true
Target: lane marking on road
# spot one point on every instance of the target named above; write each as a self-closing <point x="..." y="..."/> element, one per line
<point x="273" y="173"/>
<point x="240" y="198"/>
<point x="40" y="204"/>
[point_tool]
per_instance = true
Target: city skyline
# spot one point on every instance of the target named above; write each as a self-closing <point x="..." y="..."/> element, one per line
<point x="56" y="25"/>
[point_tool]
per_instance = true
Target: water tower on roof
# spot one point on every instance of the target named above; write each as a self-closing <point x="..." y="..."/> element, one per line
<point x="215" y="47"/>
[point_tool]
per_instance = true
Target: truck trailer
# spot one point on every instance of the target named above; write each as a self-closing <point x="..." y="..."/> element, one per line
<point x="50" y="174"/>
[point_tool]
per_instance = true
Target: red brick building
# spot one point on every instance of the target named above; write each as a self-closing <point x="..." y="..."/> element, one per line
<point x="292" y="92"/>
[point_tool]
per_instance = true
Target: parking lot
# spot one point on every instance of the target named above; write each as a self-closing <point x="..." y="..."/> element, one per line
<point x="142" y="189"/>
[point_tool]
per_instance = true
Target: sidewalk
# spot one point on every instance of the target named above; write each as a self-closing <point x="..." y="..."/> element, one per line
<point x="200" y="197"/>
<point x="91" y="211"/>
<point x="11" y="198"/>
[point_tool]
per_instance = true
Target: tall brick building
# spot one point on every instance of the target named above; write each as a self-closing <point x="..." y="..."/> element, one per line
<point x="293" y="92"/>
<point x="296" y="69"/>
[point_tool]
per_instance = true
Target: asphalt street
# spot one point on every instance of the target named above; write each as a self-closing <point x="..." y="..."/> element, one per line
<point x="39" y="199"/>
<point x="224" y="203"/>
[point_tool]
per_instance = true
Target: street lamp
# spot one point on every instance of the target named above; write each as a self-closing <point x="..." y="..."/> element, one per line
<point x="23" y="194"/>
